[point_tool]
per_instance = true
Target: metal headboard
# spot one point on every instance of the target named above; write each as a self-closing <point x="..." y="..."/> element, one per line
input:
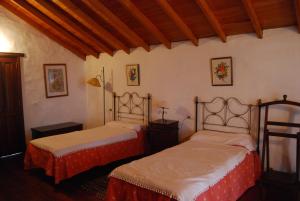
<point x="225" y="113"/>
<point x="132" y="106"/>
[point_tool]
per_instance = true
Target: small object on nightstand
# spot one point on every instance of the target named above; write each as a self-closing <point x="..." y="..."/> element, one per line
<point x="163" y="112"/>
<point x="55" y="129"/>
<point x="162" y="134"/>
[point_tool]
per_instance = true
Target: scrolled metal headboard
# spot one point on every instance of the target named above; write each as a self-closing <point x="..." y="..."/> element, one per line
<point x="225" y="113"/>
<point x="132" y="106"/>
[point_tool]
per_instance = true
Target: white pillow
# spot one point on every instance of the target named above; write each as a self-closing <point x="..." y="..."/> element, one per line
<point x="132" y="126"/>
<point x="217" y="137"/>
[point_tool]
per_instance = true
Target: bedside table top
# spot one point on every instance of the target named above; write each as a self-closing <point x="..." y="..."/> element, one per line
<point x="56" y="126"/>
<point x="164" y="122"/>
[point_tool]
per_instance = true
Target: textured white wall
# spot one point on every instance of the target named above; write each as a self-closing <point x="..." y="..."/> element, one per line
<point x="266" y="69"/>
<point x="18" y="36"/>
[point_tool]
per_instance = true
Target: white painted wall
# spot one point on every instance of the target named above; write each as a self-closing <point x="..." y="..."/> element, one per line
<point x="18" y="36"/>
<point x="266" y="69"/>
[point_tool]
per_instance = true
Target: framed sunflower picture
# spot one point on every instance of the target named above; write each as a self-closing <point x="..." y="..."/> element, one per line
<point x="221" y="71"/>
<point x="133" y="74"/>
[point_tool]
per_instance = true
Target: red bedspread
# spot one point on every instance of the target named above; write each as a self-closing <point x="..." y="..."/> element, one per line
<point x="71" y="164"/>
<point x="230" y="188"/>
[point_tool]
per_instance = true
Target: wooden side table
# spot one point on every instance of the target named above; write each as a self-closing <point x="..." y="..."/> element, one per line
<point x="55" y="129"/>
<point x="162" y="134"/>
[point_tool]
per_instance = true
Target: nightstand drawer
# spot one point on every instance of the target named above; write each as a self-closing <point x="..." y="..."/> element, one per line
<point x="164" y="127"/>
<point x="162" y="140"/>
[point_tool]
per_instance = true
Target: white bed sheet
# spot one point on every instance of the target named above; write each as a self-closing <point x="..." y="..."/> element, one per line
<point x="184" y="171"/>
<point x="60" y="145"/>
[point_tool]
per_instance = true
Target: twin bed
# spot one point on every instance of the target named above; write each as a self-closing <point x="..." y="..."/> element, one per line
<point x="219" y="162"/>
<point x="66" y="155"/>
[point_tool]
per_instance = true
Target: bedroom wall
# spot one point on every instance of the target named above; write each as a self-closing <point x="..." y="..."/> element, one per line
<point x="18" y="36"/>
<point x="266" y="69"/>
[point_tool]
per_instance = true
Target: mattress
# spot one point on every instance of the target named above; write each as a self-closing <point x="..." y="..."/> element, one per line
<point x="64" y="156"/>
<point x="229" y="188"/>
<point x="60" y="145"/>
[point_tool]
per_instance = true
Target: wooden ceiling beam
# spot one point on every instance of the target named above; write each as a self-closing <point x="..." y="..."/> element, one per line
<point x="144" y="20"/>
<point x="212" y="19"/>
<point x="69" y="7"/>
<point x="101" y="10"/>
<point x="40" y="26"/>
<point x="248" y="4"/>
<point x="45" y="7"/>
<point x="297" y="6"/>
<point x="178" y="21"/>
<point x="52" y="26"/>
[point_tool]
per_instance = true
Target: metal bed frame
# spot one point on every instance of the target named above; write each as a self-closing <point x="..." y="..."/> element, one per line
<point x="132" y="106"/>
<point x="224" y="113"/>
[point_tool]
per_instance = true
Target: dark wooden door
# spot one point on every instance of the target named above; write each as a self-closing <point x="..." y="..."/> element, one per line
<point x="12" y="138"/>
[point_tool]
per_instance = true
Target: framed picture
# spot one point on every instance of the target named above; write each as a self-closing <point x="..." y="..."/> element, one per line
<point x="56" y="82"/>
<point x="133" y="74"/>
<point x="221" y="71"/>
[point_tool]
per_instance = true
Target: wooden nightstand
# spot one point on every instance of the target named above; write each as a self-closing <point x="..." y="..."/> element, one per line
<point x="162" y="134"/>
<point x="55" y="129"/>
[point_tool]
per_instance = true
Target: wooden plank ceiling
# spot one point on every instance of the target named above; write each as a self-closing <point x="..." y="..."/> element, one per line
<point x="91" y="27"/>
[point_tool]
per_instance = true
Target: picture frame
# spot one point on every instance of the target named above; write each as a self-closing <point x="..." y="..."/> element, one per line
<point x="221" y="71"/>
<point x="133" y="74"/>
<point x="56" y="80"/>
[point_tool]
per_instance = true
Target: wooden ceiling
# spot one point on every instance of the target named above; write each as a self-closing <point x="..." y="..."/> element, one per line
<point x="91" y="27"/>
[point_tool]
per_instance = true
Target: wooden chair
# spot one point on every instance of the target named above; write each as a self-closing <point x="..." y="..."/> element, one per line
<point x="288" y="182"/>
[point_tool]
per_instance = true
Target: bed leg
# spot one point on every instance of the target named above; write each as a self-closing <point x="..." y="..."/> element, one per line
<point x="263" y="191"/>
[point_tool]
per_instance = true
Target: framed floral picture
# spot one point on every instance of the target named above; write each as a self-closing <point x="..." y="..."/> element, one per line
<point x="221" y="71"/>
<point x="133" y="74"/>
<point x="56" y="82"/>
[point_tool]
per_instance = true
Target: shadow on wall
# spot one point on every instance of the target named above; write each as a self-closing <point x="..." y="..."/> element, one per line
<point x="184" y="123"/>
